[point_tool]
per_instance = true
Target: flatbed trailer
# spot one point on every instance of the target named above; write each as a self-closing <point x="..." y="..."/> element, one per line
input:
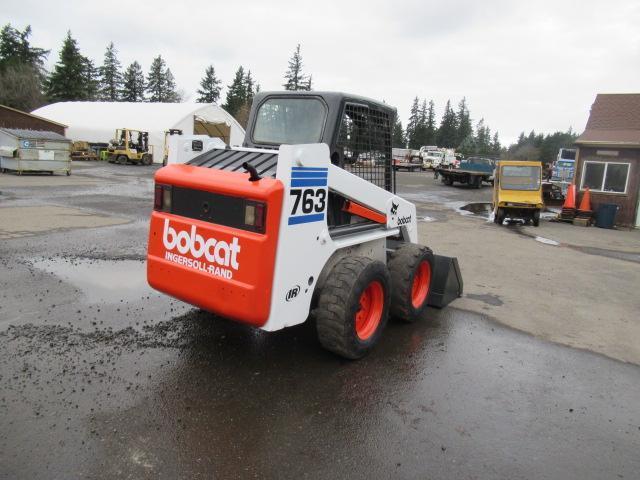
<point x="450" y="175"/>
<point x="473" y="171"/>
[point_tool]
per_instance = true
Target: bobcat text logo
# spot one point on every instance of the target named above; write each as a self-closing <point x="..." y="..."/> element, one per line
<point x="404" y="220"/>
<point x="394" y="208"/>
<point x="215" y="251"/>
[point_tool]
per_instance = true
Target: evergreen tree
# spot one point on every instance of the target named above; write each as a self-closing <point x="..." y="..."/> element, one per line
<point x="20" y="87"/>
<point x="161" y="85"/>
<point x="397" y="139"/>
<point x="210" y="86"/>
<point x="430" y="125"/>
<point x="236" y="93"/>
<point x="308" y="87"/>
<point x="110" y="75"/>
<point x="294" y="78"/>
<point x="463" y="120"/>
<point x="21" y="70"/>
<point x="172" y="95"/>
<point x="448" y="130"/>
<point x="495" y="144"/>
<point x="67" y="82"/>
<point x="483" y="138"/>
<point x="413" y="124"/>
<point x="133" y="86"/>
<point x="16" y="50"/>
<point x="92" y="80"/>
<point x="249" y="87"/>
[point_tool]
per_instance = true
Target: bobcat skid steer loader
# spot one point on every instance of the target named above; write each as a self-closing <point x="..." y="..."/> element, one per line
<point x="300" y="220"/>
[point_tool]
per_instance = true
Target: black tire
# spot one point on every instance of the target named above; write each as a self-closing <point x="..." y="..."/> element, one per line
<point x="477" y="182"/>
<point x="405" y="268"/>
<point x="122" y="159"/>
<point x="500" y="216"/>
<point x="147" y="160"/>
<point x="449" y="181"/>
<point x="536" y="218"/>
<point x="339" y="303"/>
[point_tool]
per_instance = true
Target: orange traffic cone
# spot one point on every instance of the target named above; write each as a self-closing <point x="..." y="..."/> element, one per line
<point x="568" y="212"/>
<point x="570" y="200"/>
<point x="585" y="204"/>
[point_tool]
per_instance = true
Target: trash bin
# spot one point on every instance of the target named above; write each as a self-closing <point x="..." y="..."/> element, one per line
<point x="606" y="215"/>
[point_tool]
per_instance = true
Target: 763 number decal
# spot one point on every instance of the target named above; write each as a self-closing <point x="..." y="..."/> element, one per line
<point x="308" y="200"/>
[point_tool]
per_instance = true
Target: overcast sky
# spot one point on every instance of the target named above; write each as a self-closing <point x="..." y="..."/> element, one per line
<point x="521" y="65"/>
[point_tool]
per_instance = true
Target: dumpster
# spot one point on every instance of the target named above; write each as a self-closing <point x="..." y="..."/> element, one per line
<point x="34" y="151"/>
<point x="606" y="215"/>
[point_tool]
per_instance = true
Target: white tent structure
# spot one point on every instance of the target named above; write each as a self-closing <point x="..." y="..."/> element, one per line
<point x="98" y="121"/>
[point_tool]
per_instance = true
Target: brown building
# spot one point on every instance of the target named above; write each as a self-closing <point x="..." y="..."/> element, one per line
<point x="12" y="118"/>
<point x="608" y="158"/>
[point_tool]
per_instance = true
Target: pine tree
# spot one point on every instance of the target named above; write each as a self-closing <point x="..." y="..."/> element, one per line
<point x="495" y="144"/>
<point x="236" y="93"/>
<point x="398" y="140"/>
<point x="92" y="80"/>
<point x="463" y="120"/>
<point x="110" y="75"/>
<point x="309" y="86"/>
<point x="22" y="71"/>
<point x="430" y="127"/>
<point x="67" y="82"/>
<point x="133" y="86"/>
<point x="172" y="95"/>
<point x="210" y="86"/>
<point x="15" y="50"/>
<point x="413" y="123"/>
<point x="161" y="85"/>
<point x="249" y="87"/>
<point x="447" y="132"/>
<point x="294" y="78"/>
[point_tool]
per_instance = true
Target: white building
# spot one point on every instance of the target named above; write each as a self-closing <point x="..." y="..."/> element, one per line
<point x="97" y="121"/>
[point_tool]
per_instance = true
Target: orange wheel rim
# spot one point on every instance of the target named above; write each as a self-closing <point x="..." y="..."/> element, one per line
<point x="420" y="287"/>
<point x="370" y="313"/>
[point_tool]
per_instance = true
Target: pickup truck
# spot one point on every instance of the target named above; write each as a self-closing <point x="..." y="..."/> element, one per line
<point x="472" y="171"/>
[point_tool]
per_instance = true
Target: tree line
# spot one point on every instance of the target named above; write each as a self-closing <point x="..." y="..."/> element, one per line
<point x="540" y="147"/>
<point x="25" y="84"/>
<point x="455" y="130"/>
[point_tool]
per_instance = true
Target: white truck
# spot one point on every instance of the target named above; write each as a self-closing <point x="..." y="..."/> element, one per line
<point x="434" y="157"/>
<point x="294" y="224"/>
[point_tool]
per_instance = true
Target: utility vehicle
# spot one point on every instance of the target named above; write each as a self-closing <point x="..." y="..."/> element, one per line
<point x="517" y="192"/>
<point x="300" y="221"/>
<point x="130" y="146"/>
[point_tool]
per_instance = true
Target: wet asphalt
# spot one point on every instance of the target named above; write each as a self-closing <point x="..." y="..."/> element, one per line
<point x="101" y="377"/>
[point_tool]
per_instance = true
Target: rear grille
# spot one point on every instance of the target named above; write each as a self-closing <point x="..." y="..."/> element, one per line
<point x="232" y="160"/>
<point x="210" y="207"/>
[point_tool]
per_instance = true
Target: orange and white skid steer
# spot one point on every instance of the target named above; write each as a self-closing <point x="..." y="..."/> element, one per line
<point x="301" y="220"/>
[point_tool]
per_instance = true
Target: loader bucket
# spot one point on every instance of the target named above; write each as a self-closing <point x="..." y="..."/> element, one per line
<point x="447" y="283"/>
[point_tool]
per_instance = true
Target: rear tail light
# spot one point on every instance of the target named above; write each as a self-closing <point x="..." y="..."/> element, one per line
<point x="254" y="215"/>
<point x="162" y="198"/>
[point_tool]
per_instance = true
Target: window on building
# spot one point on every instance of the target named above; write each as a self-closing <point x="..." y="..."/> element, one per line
<point x="605" y="176"/>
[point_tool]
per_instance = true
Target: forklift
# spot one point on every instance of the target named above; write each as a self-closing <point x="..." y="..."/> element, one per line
<point x="300" y="222"/>
<point x="130" y="146"/>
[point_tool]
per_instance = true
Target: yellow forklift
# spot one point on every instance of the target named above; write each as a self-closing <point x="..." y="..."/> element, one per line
<point x="131" y="146"/>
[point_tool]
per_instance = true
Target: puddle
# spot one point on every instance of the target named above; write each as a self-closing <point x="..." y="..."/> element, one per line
<point x="546" y="241"/>
<point x="427" y="219"/>
<point x="482" y="209"/>
<point x="101" y="281"/>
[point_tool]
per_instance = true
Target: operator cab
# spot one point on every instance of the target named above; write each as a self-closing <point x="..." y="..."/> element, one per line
<point x="357" y="131"/>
